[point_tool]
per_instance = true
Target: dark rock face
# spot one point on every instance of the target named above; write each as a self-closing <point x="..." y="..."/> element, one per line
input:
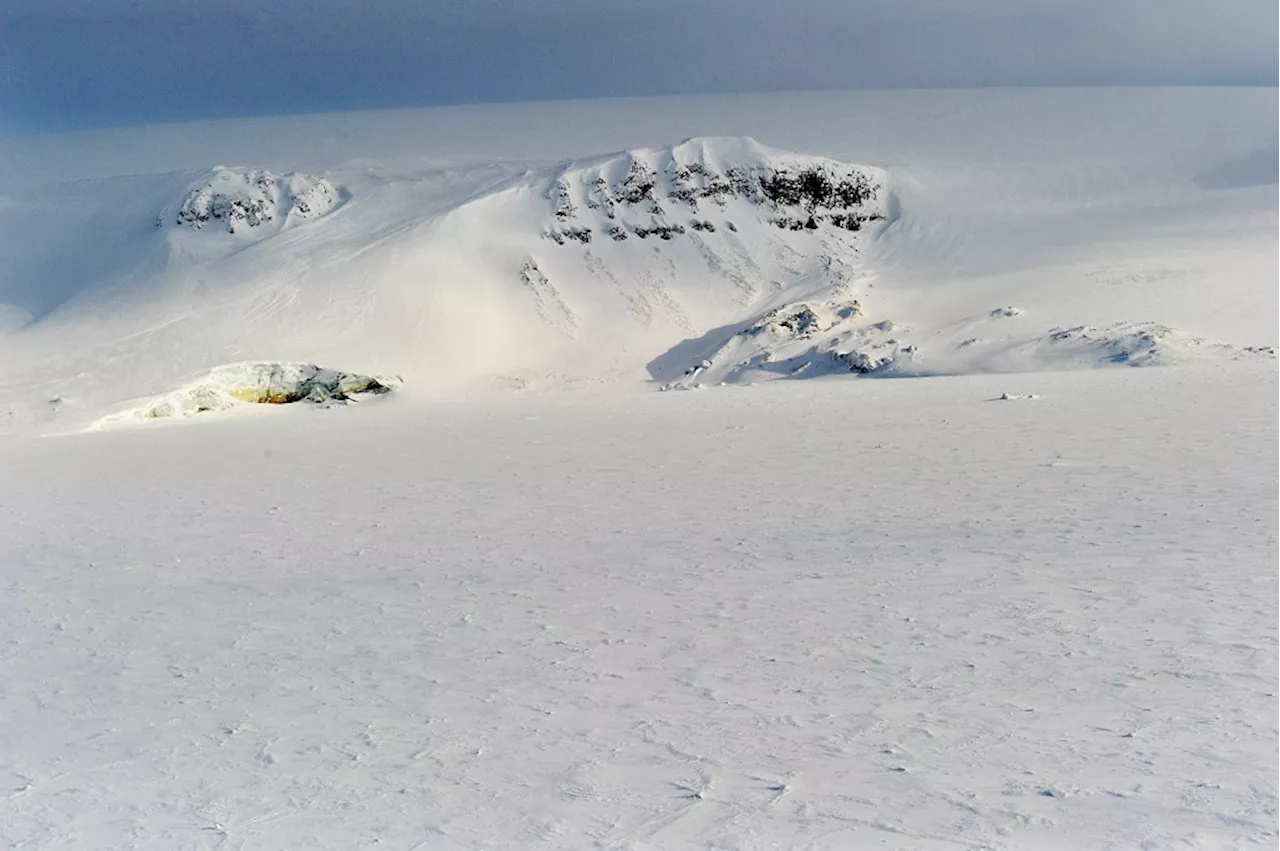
<point x="238" y="198"/>
<point x="863" y="362"/>
<point x="790" y="192"/>
<point x="660" y="231"/>
<point x="637" y="186"/>
<point x="814" y="188"/>
<point x="793" y="321"/>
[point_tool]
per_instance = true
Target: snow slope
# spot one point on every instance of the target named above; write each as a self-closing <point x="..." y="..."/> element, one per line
<point x="659" y="264"/>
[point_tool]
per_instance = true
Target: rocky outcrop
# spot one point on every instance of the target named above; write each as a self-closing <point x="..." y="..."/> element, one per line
<point x="257" y="382"/>
<point x="239" y="198"/>
<point x="694" y="185"/>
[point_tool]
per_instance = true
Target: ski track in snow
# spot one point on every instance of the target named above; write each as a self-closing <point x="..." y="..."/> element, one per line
<point x="822" y="615"/>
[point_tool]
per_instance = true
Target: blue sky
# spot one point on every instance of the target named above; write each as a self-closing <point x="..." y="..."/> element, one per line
<point x="74" y="64"/>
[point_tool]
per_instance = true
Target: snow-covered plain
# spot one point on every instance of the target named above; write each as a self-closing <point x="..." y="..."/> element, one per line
<point x="1014" y="593"/>
<point x="829" y="614"/>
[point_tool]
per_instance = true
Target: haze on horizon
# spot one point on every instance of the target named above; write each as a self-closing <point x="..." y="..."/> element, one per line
<point x="83" y="64"/>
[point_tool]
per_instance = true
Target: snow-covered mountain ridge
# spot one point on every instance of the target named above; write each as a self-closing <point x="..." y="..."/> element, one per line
<point x="715" y="260"/>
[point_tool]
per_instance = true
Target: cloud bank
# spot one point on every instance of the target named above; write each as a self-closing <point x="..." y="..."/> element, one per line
<point x="70" y="64"/>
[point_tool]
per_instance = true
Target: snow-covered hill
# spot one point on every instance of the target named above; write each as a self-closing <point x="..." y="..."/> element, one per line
<point x="654" y="244"/>
<point x="528" y="601"/>
<point x="715" y="260"/>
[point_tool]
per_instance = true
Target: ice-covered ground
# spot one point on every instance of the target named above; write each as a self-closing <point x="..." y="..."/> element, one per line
<point x="836" y="614"/>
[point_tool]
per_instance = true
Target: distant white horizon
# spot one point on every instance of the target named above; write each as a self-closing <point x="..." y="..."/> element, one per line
<point x="86" y="64"/>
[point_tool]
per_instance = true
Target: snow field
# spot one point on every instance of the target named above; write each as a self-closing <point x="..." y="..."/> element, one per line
<point x="823" y="615"/>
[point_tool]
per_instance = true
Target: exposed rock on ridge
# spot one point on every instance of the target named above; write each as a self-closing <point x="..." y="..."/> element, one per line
<point x="699" y="183"/>
<point x="237" y="198"/>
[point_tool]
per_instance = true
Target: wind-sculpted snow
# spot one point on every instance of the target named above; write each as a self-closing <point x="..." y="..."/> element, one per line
<point x="256" y="383"/>
<point x="241" y="198"/>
